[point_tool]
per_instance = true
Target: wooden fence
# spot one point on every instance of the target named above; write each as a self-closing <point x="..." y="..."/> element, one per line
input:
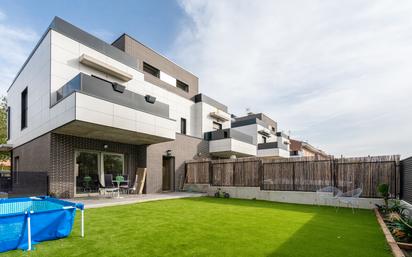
<point x="299" y="174"/>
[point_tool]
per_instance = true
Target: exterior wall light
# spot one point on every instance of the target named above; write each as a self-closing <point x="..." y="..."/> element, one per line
<point x="150" y="99"/>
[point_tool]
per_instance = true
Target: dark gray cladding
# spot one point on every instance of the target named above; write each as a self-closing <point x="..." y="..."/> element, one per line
<point x="228" y="133"/>
<point x="91" y="41"/>
<point x="203" y="98"/>
<point x="103" y="89"/>
<point x="272" y="145"/>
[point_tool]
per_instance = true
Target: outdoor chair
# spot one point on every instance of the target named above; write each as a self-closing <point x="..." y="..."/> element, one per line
<point x="86" y="183"/>
<point x="350" y="198"/>
<point x="328" y="195"/>
<point x="108" y="185"/>
<point x="133" y="188"/>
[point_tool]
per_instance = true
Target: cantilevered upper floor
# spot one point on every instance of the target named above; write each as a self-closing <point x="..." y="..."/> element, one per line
<point x="74" y="83"/>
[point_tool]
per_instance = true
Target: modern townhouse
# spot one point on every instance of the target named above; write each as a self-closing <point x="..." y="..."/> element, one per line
<point x="265" y="135"/>
<point x="80" y="107"/>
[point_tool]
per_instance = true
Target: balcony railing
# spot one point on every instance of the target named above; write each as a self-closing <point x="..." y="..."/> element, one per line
<point x="114" y="93"/>
<point x="272" y="145"/>
<point x="228" y="133"/>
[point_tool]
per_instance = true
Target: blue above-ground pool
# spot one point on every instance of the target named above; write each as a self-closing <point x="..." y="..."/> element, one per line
<point x="28" y="221"/>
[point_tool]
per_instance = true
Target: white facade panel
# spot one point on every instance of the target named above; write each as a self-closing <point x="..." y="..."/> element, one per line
<point x="101" y="112"/>
<point x="232" y="145"/>
<point x="36" y="78"/>
<point x="273" y="152"/>
<point x="65" y="65"/>
<point x="203" y="122"/>
<point x="167" y="78"/>
<point x="250" y="130"/>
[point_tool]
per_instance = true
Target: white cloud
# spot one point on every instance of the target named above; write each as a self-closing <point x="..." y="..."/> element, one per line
<point x="334" y="73"/>
<point x="15" y="46"/>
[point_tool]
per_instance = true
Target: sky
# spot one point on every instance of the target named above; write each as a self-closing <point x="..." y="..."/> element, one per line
<point x="336" y="74"/>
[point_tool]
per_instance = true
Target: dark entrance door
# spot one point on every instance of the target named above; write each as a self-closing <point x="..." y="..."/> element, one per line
<point x="168" y="173"/>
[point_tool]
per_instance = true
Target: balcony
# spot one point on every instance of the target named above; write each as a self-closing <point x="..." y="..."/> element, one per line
<point x="106" y="110"/>
<point x="227" y="142"/>
<point x="273" y="149"/>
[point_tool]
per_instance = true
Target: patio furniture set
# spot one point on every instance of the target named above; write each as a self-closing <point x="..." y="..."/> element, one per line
<point x="332" y="194"/>
<point x="112" y="186"/>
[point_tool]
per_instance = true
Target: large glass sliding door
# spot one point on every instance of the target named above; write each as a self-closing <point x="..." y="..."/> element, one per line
<point x="90" y="168"/>
<point x="113" y="164"/>
<point x="87" y="172"/>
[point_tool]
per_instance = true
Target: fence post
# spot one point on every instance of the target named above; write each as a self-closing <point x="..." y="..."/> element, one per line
<point x="210" y="172"/>
<point x="293" y="176"/>
<point x="397" y="178"/>
<point x="261" y="178"/>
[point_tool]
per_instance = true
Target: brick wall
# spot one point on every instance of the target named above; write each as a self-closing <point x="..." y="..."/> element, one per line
<point x="33" y="155"/>
<point x="61" y="172"/>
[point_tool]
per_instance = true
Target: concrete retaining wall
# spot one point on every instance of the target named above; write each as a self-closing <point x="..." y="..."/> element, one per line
<point x="289" y="196"/>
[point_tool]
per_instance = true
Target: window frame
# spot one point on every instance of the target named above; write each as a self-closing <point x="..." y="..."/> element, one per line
<point x="182" y="85"/>
<point x="150" y="69"/>
<point x="24" y="98"/>
<point x="183" y="125"/>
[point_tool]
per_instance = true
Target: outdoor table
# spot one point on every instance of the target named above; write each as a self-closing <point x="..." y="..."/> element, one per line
<point x="118" y="186"/>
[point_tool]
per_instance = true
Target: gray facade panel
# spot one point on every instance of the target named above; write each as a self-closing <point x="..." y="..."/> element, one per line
<point x="183" y="148"/>
<point x="143" y="53"/>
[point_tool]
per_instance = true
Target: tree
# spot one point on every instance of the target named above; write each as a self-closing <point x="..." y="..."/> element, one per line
<point x="3" y="127"/>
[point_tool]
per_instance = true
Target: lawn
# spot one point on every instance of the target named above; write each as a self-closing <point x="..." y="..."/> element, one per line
<point x="220" y="227"/>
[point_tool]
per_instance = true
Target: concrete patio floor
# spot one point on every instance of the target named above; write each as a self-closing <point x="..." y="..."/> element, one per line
<point x="105" y="201"/>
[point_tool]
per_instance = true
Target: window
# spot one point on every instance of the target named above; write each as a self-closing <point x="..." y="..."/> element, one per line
<point x="225" y="134"/>
<point x="151" y="70"/>
<point x="183" y="86"/>
<point x="264" y="139"/>
<point x="183" y="126"/>
<point x="8" y="122"/>
<point x="217" y="126"/>
<point x="15" y="169"/>
<point x="24" y="109"/>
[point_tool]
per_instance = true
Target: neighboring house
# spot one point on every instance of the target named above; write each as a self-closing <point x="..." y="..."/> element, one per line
<point x="304" y="149"/>
<point x="263" y="131"/>
<point x="81" y="108"/>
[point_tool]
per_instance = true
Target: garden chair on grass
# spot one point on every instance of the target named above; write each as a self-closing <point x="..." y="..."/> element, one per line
<point x="328" y="195"/>
<point x="350" y="198"/>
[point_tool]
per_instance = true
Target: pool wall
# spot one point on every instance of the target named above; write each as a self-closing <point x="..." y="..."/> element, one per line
<point x="28" y="221"/>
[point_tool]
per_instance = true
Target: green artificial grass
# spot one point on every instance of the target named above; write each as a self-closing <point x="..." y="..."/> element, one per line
<point x="220" y="227"/>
